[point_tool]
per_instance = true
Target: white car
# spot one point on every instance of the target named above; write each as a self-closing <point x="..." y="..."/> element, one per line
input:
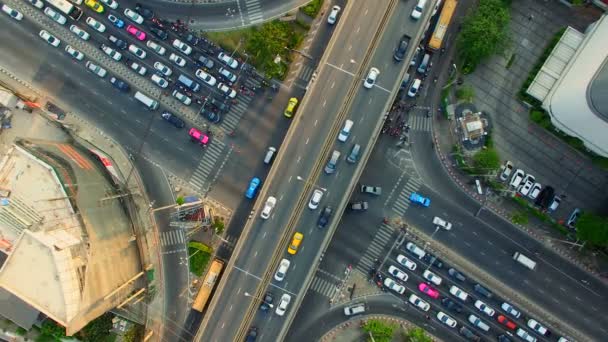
<point x="333" y="15"/>
<point x="115" y="55"/>
<point x="484" y="308"/>
<point x="137" y="51"/>
<point x="183" y="98"/>
<point x="37" y="3"/>
<point x="99" y="27"/>
<point x="13" y="13"/>
<point x="51" y="13"/>
<point x="229" y="61"/>
<point x="159" y="81"/>
<point x="140" y="69"/>
<point x="226" y="90"/>
<point x="476" y="321"/>
<point x="226" y="73"/>
<point x="508" y="308"/>
<point x="524" y="189"/>
<point x="282" y="270"/>
<point x="506" y="171"/>
<point x="163" y="69"/>
<point x="397" y="273"/>
<point x="534" y="325"/>
<point x="403" y="260"/>
<point x="372" y="76"/>
<point x="110" y="3"/>
<point x="177" y="60"/>
<point x="131" y="14"/>
<point x="419" y="303"/>
<point x="268" y="206"/>
<point x="96" y="69"/>
<point x="156" y="48"/>
<point x="315" y="199"/>
<point x="181" y="46"/>
<point x="49" y="38"/>
<point x="458" y="293"/>
<point x="82" y="34"/>
<point x="438" y="221"/>
<point x="74" y="53"/>
<point x="432" y="277"/>
<point x="417" y="11"/>
<point x="445" y="319"/>
<point x="282" y="307"/>
<point x="525" y="335"/>
<point x="205" y="77"/>
<point x="535" y="190"/>
<point x="518" y="176"/>
<point x="391" y="284"/>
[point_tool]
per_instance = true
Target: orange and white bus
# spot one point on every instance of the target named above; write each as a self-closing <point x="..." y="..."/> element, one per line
<point x="209" y="282"/>
<point x="449" y="6"/>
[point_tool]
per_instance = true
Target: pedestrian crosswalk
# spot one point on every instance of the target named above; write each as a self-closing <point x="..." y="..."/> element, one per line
<point x="230" y="121"/>
<point x="254" y="11"/>
<point x="403" y="199"/>
<point x="173" y="237"/>
<point x="419" y="123"/>
<point x="323" y="287"/>
<point x="306" y="73"/>
<point x="384" y="236"/>
<point x="212" y="153"/>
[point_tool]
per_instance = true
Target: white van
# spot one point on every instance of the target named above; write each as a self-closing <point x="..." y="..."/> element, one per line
<point x="414" y="88"/>
<point x="151" y="104"/>
<point x="345" y="132"/>
<point x="424" y="64"/>
<point x="417" y="12"/>
<point x="524" y="260"/>
<point x="417" y="251"/>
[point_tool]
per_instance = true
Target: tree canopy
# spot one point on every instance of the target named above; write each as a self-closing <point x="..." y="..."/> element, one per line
<point x="381" y="331"/>
<point x="416" y="335"/>
<point x="484" y="33"/>
<point x="486" y="161"/>
<point x="593" y="229"/>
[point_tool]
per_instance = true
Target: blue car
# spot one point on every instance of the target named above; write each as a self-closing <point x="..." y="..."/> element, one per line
<point x="116" y="21"/>
<point x="417" y="198"/>
<point x="253" y="188"/>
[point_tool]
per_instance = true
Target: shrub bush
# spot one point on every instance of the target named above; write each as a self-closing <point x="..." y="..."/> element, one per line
<point x="312" y="8"/>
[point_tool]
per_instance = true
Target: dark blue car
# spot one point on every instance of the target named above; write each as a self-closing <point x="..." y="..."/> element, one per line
<point x="253" y="188"/>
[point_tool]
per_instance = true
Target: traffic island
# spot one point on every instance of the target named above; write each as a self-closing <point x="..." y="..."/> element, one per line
<point x="377" y="328"/>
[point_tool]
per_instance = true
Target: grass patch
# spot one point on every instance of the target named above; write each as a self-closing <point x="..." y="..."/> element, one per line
<point x="199" y="255"/>
<point x="520" y="217"/>
<point x="312" y="8"/>
<point x="465" y="93"/>
<point x="529" y="209"/>
<point x="510" y="62"/>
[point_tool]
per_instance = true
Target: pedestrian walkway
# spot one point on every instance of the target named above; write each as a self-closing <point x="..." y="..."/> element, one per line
<point x="403" y="200"/>
<point x="212" y="153"/>
<point x="306" y="72"/>
<point x="231" y="119"/>
<point x="419" y="122"/>
<point x="376" y="249"/>
<point x="323" y="287"/>
<point x="254" y="11"/>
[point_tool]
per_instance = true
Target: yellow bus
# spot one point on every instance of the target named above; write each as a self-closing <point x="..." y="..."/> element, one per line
<point x="209" y="282"/>
<point x="442" y="24"/>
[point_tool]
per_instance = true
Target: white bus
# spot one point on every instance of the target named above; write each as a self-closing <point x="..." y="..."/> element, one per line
<point x="524" y="260"/>
<point x="146" y="100"/>
<point x="67" y="8"/>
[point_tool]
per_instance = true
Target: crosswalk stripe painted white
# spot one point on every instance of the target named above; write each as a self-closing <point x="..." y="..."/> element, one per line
<point x="172" y="237"/>
<point x="323" y="287"/>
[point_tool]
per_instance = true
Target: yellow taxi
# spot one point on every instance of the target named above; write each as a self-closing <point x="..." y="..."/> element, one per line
<point x="295" y="243"/>
<point x="95" y="6"/>
<point x="291" y="106"/>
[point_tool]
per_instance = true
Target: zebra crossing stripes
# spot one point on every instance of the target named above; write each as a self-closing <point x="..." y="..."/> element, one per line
<point x="173" y="237"/>
<point x="254" y="11"/>
<point x="419" y="123"/>
<point x="212" y="154"/>
<point x="384" y="236"/>
<point x="403" y="201"/>
<point x="323" y="287"/>
<point x="233" y="117"/>
<point x="306" y="73"/>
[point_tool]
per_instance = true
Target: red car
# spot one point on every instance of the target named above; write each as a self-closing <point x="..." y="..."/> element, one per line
<point x="198" y="136"/>
<point x="504" y="321"/>
<point x="136" y="32"/>
<point x="429" y="291"/>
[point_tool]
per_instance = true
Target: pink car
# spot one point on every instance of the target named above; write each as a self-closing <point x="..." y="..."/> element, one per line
<point x="429" y="291"/>
<point x="198" y="136"/>
<point x="136" y="32"/>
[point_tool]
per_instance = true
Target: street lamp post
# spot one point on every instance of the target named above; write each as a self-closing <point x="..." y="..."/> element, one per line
<point x="313" y="184"/>
<point x="247" y="294"/>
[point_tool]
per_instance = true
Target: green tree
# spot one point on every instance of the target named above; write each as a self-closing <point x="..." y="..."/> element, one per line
<point x="52" y="330"/>
<point x="416" y="335"/>
<point x="98" y="330"/>
<point x="484" y="33"/>
<point x="593" y="229"/>
<point x="465" y="93"/>
<point x="218" y="225"/>
<point x="381" y="331"/>
<point x="180" y="200"/>
<point x="135" y="334"/>
<point x="486" y="161"/>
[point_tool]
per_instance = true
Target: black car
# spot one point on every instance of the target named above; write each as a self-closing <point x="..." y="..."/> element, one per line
<point x="120" y="84"/>
<point x="503" y="338"/>
<point x="451" y="305"/>
<point x="210" y="115"/>
<point x="121" y="44"/>
<point x="205" y="62"/>
<point x="433" y="260"/>
<point x="455" y="274"/>
<point x="221" y="106"/>
<point x="252" y="334"/>
<point x="324" y="217"/>
<point x="401" y="49"/>
<point x="192" y="39"/>
<point x="545" y="196"/>
<point x="173" y="119"/>
<point x="466" y="332"/>
<point x="144" y="11"/>
<point x="267" y="302"/>
<point x="162" y="35"/>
